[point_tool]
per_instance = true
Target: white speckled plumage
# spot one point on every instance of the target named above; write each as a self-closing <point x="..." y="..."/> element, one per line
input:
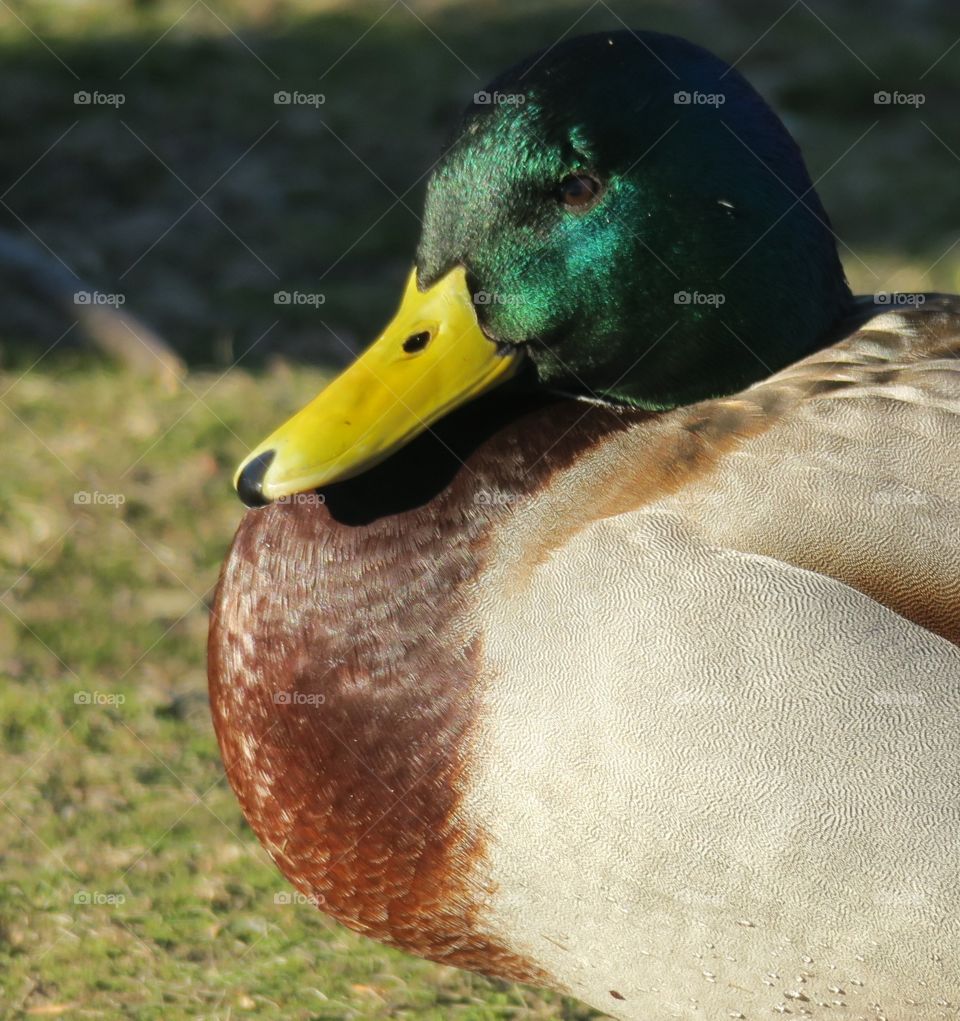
<point x="722" y="769"/>
<point x="729" y="784"/>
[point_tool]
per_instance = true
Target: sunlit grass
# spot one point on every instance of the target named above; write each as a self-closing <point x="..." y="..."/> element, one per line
<point x="132" y="885"/>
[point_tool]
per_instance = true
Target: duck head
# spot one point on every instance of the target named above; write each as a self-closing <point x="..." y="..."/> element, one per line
<point x="620" y="218"/>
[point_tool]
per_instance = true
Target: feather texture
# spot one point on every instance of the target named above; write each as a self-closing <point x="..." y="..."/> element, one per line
<point x="656" y="708"/>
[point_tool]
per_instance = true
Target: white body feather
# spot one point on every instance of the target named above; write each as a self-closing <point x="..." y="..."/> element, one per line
<point x="728" y="786"/>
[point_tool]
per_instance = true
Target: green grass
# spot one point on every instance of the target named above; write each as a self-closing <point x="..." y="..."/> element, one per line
<point x="123" y="796"/>
<point x="132" y="886"/>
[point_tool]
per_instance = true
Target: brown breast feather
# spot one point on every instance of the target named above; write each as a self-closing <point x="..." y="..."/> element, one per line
<point x="342" y="662"/>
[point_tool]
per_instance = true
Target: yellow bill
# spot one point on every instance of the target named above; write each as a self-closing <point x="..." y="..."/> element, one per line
<point x="432" y="358"/>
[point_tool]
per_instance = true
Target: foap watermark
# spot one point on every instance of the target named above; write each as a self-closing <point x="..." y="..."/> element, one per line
<point x="295" y="897"/>
<point x="99" y="698"/>
<point x="314" y="300"/>
<point x="684" y="98"/>
<point x="902" y="899"/>
<point x="84" y="498"/>
<point x="98" y="898"/>
<point x="900" y="498"/>
<point x="898" y="698"/>
<point x="484" y="98"/>
<point x="98" y="298"/>
<point x="298" y="698"/>
<point x="496" y="298"/>
<point x="84" y="98"/>
<point x="898" y="298"/>
<point x="699" y="298"/>
<point x="303" y="499"/>
<point x="284" y="98"/>
<point x="884" y="98"/>
<point x="488" y="498"/>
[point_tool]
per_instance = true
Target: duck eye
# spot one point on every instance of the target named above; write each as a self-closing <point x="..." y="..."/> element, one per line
<point x="580" y="191"/>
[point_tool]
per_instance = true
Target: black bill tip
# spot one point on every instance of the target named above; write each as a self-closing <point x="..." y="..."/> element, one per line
<point x="250" y="480"/>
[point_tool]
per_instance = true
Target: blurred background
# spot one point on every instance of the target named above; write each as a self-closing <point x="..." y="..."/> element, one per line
<point x="205" y="208"/>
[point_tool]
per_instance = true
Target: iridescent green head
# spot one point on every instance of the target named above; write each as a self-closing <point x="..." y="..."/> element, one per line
<point x="631" y="212"/>
<point x="621" y="217"/>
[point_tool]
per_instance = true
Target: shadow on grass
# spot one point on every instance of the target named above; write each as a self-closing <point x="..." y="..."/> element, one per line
<point x="200" y="197"/>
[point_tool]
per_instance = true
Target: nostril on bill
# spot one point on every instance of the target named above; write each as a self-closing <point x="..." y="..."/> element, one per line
<point x="416" y="342"/>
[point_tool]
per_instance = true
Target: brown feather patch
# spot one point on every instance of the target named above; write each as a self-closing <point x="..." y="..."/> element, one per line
<point x="342" y="667"/>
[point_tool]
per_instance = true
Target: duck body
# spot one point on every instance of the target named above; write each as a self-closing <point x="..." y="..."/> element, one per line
<point x="659" y="709"/>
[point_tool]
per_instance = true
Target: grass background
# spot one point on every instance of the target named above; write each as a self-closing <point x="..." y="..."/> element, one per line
<point x="131" y="885"/>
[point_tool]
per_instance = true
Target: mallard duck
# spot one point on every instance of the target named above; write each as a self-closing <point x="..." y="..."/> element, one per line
<point x="597" y="628"/>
